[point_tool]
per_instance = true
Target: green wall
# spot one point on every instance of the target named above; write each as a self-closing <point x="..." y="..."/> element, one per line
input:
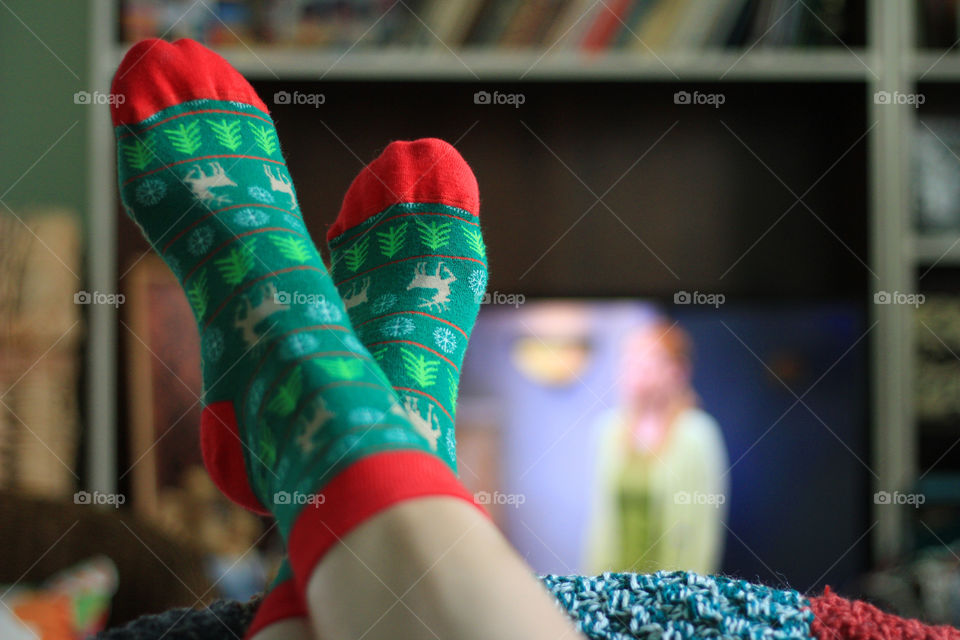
<point x="37" y="105"/>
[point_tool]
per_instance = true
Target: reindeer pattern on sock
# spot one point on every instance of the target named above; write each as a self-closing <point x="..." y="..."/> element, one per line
<point x="309" y="428"/>
<point x="428" y="426"/>
<point x="437" y="280"/>
<point x="201" y="183"/>
<point x="357" y="295"/>
<point x="249" y="315"/>
<point x="281" y="184"/>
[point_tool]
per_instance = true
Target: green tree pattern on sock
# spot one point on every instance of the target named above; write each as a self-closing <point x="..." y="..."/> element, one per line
<point x="139" y="153"/>
<point x="287" y="395"/>
<point x="267" y="451"/>
<point x="185" y="138"/>
<point x="265" y="137"/>
<point x="452" y="386"/>
<point x="422" y="370"/>
<point x="391" y="240"/>
<point x="435" y="235"/>
<point x="197" y="294"/>
<point x="356" y="255"/>
<point x="474" y="240"/>
<point x="227" y="133"/>
<point x="238" y="262"/>
<point x="291" y="248"/>
<point x="342" y="368"/>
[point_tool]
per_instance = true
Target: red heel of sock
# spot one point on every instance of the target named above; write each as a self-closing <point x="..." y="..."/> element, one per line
<point x="223" y="455"/>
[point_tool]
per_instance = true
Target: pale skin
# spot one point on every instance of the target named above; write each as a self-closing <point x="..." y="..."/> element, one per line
<point x="431" y="567"/>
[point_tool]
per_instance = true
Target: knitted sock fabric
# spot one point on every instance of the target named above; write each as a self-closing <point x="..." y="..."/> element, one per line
<point x="409" y="260"/>
<point x="294" y="403"/>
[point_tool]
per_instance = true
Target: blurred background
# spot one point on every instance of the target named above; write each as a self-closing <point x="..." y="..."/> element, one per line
<point x="722" y="323"/>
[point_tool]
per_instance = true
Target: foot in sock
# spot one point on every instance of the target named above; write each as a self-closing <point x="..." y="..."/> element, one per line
<point x="409" y="260"/>
<point x="294" y="403"/>
<point x="425" y="189"/>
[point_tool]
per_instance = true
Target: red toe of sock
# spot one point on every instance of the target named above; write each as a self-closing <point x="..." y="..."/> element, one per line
<point x="426" y="170"/>
<point x="156" y="74"/>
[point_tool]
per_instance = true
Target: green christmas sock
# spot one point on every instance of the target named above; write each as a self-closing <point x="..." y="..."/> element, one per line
<point x="409" y="260"/>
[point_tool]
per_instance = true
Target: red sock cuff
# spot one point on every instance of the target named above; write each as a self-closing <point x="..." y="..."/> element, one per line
<point x="281" y="603"/>
<point x="361" y="491"/>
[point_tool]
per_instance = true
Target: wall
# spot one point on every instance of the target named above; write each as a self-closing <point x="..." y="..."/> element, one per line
<point x="42" y="132"/>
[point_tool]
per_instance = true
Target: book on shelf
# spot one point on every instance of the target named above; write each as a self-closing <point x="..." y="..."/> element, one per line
<point x="577" y="25"/>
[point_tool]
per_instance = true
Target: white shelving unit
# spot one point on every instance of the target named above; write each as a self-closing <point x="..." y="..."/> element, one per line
<point x="890" y="62"/>
<point x="473" y="64"/>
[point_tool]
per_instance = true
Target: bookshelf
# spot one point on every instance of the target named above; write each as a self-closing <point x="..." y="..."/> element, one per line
<point x="477" y="64"/>
<point x="888" y="60"/>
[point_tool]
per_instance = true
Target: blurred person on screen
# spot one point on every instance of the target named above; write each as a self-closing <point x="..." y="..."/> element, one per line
<point x="660" y="489"/>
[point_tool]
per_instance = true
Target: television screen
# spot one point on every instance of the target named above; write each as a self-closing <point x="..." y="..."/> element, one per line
<point x="708" y="436"/>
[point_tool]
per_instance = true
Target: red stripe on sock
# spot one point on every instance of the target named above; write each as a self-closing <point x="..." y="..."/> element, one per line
<point x="192" y="113"/>
<point x="247" y="285"/>
<point x="419" y="313"/>
<point x="179" y="235"/>
<point x="282" y="603"/>
<point x="426" y="395"/>
<point x="199" y="159"/>
<point x="380" y="266"/>
<point x="342" y="238"/>
<point x="417" y="344"/>
<point x="236" y="237"/>
<point x="359" y="492"/>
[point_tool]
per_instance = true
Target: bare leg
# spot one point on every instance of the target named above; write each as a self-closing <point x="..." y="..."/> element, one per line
<point x="431" y="567"/>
